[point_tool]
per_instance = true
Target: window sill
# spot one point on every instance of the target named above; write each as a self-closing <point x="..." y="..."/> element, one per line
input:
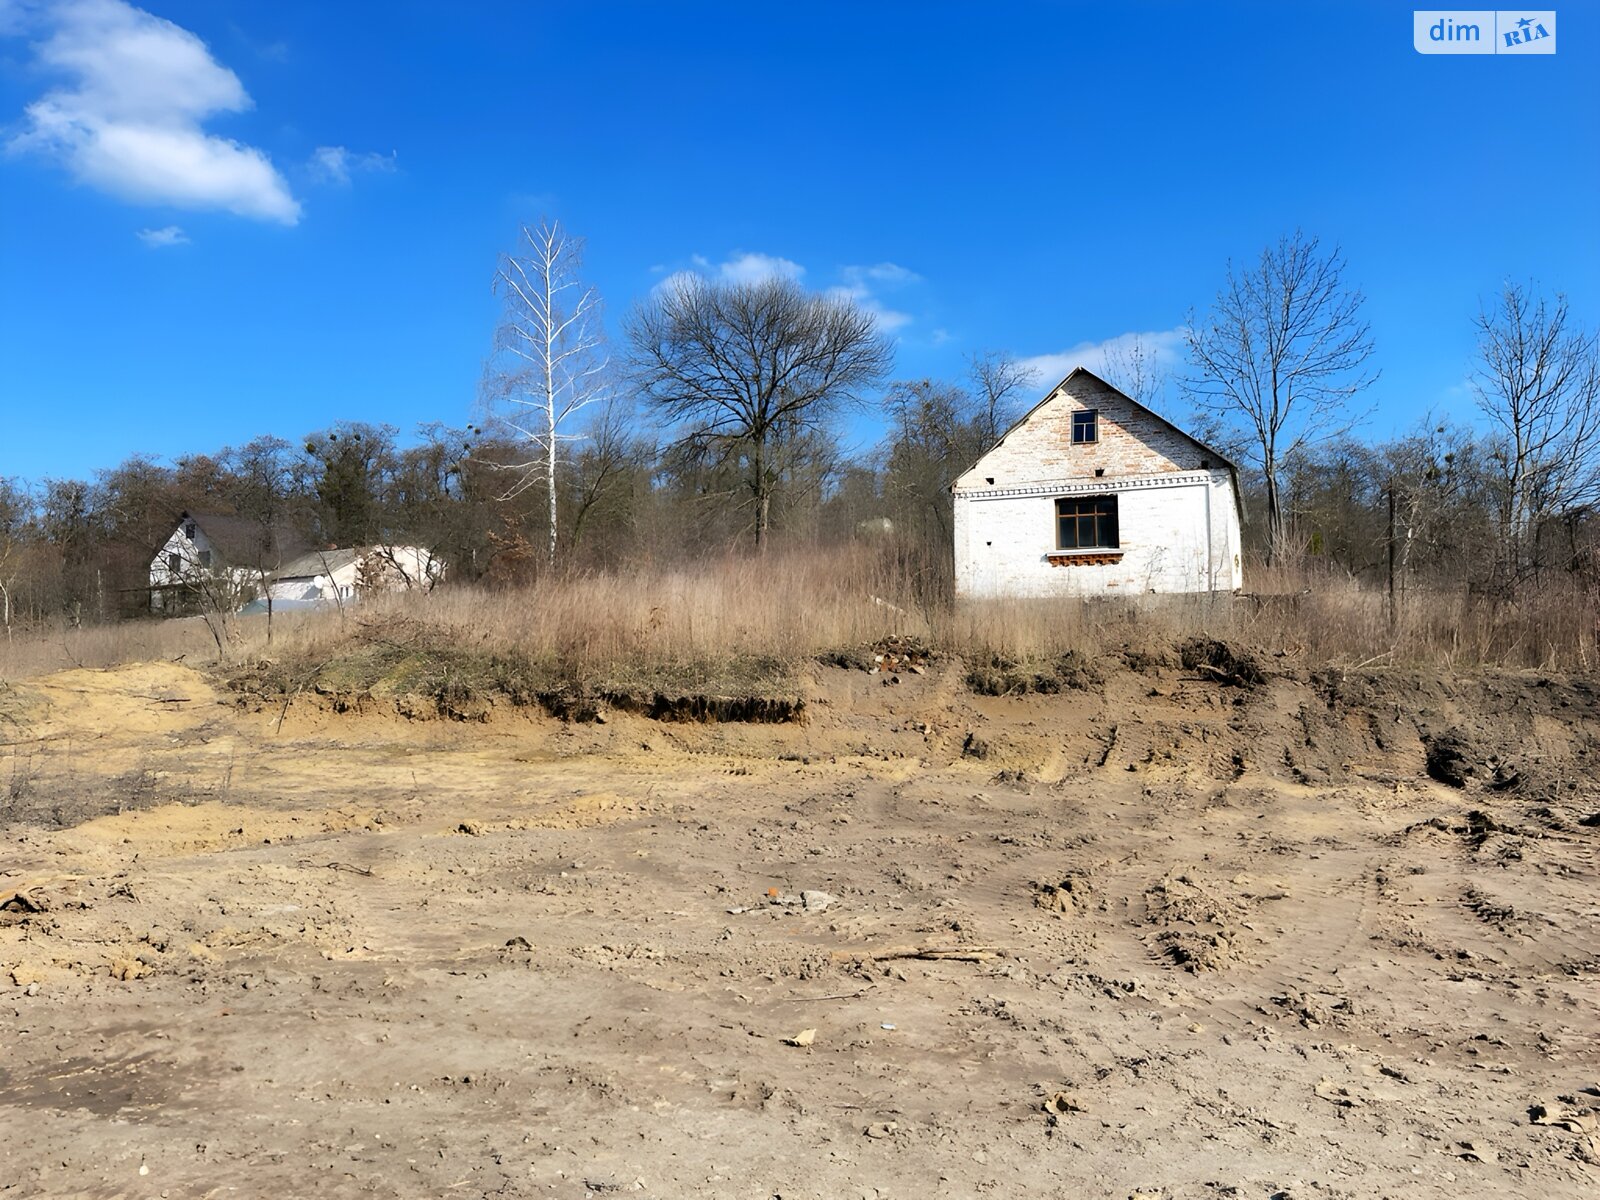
<point x="1084" y="558"/>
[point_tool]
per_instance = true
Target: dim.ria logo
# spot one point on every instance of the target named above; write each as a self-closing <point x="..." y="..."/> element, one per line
<point x="1484" y="31"/>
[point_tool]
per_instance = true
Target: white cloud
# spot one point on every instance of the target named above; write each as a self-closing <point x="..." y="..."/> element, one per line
<point x="887" y="273"/>
<point x="131" y="122"/>
<point x="888" y="319"/>
<point x="14" y="16"/>
<point x="756" y="268"/>
<point x="860" y="284"/>
<point x="172" y="235"/>
<point x="1164" y="347"/>
<point x="335" y="164"/>
<point x="742" y="267"/>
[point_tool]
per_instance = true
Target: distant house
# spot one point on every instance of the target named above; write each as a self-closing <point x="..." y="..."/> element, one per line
<point x="228" y="564"/>
<point x="216" y="561"/>
<point x="1092" y="494"/>
<point x="321" y="577"/>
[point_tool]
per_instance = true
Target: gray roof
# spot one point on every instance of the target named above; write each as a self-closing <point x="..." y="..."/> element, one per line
<point x="243" y="542"/>
<point x="320" y="562"/>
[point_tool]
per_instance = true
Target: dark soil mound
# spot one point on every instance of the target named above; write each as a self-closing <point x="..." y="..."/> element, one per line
<point x="1222" y="662"/>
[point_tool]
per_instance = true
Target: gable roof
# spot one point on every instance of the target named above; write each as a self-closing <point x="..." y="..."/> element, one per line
<point x="243" y="542"/>
<point x="320" y="562"/>
<point x="1077" y="371"/>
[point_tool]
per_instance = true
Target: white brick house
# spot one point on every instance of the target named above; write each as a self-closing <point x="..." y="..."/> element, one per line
<point x="211" y="561"/>
<point x="1092" y="494"/>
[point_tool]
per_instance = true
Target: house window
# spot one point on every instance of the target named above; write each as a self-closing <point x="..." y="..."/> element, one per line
<point x="205" y="558"/>
<point x="189" y="531"/>
<point x="174" y="563"/>
<point x="1085" y="426"/>
<point x="1086" y="523"/>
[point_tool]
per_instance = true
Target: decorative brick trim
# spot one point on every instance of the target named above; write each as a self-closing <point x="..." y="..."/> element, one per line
<point x="1082" y="558"/>
<point x="1103" y="486"/>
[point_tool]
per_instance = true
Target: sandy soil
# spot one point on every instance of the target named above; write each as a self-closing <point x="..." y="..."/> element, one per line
<point x="1165" y="938"/>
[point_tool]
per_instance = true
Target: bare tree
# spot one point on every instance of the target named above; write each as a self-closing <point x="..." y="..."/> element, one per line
<point x="998" y="382"/>
<point x="1282" y="352"/>
<point x="752" y="372"/>
<point x="15" y="510"/>
<point x="1134" y="368"/>
<point x="262" y="477"/>
<point x="614" y="457"/>
<point x="1538" y="379"/>
<point x="938" y="429"/>
<point x="550" y="359"/>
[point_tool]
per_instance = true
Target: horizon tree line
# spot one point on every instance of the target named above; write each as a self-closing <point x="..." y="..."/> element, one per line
<point x="718" y="424"/>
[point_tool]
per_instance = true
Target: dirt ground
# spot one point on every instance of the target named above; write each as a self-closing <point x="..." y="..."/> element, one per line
<point x="1155" y="936"/>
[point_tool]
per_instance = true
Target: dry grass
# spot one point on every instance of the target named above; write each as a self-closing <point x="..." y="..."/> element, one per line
<point x="715" y="624"/>
<point x="42" y="650"/>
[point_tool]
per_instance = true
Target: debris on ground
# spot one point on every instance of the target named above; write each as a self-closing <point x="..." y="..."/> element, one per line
<point x="1060" y="1103"/>
<point x="810" y="901"/>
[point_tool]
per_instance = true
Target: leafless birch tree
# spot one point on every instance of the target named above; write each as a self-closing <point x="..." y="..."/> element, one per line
<point x="550" y="356"/>
<point x="1282" y="352"/>
<point x="752" y="372"/>
<point x="1538" y="380"/>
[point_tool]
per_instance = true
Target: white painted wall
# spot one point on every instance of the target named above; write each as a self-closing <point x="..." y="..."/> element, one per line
<point x="338" y="584"/>
<point x="186" y="557"/>
<point x="1179" y="532"/>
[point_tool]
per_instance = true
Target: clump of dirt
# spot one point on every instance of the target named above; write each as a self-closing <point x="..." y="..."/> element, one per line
<point x="1480" y="825"/>
<point x="1449" y="757"/>
<point x="1070" y="897"/>
<point x="1198" y="924"/>
<point x="1218" y="660"/>
<point x="1148" y="660"/>
<point x="1002" y="675"/>
<point x="1196" y="950"/>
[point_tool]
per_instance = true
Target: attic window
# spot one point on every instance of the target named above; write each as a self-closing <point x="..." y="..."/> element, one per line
<point x="1205" y="464"/>
<point x="1085" y="426"/>
<point x="189" y="531"/>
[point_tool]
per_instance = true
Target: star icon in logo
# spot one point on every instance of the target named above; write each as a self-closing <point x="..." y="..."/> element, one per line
<point x="1525" y="22"/>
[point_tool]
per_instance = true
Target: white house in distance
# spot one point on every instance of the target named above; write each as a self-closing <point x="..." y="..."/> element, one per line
<point x="321" y="577"/>
<point x="1092" y="494"/>
<point x="223" y="563"/>
<point x="216" y="561"/>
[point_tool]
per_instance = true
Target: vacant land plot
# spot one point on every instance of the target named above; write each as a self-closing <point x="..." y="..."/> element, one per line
<point x="1185" y="930"/>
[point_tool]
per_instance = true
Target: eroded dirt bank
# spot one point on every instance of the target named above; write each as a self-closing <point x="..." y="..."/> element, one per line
<point x="1332" y="935"/>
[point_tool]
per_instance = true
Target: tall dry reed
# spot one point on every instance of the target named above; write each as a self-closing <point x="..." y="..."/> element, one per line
<point x="791" y="606"/>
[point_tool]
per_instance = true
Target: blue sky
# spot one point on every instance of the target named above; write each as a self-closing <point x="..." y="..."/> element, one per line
<point x="220" y="218"/>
